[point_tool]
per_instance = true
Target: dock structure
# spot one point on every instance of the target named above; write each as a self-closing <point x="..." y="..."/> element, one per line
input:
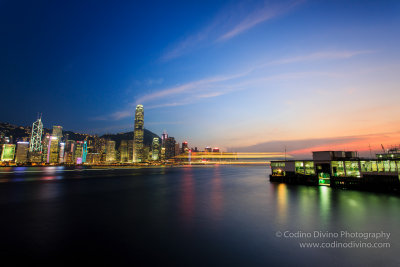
<point x="341" y="169"/>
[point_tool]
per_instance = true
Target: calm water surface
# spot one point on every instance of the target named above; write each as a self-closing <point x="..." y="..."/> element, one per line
<point x="224" y="216"/>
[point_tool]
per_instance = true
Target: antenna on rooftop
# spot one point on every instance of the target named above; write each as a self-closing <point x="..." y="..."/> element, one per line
<point x="285" y="152"/>
<point x="370" y="152"/>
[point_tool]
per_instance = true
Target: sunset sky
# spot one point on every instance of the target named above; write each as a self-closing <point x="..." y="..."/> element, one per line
<point x="239" y="75"/>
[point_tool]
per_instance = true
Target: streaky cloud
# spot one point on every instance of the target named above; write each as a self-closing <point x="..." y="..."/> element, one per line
<point x="230" y="22"/>
<point x="322" y="56"/>
<point x="266" y="13"/>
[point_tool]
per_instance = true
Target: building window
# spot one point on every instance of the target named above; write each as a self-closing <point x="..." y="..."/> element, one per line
<point x="352" y="169"/>
<point x="337" y="168"/>
<point x="393" y="166"/>
<point x="309" y="167"/>
<point x="299" y="167"/>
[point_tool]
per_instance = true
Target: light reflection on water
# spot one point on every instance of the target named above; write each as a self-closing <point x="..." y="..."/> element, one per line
<point x="220" y="213"/>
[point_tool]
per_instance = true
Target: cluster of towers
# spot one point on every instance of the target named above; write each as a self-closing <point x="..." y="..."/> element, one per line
<point x="45" y="147"/>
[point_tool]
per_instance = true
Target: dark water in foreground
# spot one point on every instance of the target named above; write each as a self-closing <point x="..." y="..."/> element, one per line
<point x="220" y="216"/>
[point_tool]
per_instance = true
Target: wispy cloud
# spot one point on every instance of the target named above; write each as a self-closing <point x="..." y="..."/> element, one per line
<point x="322" y="56"/>
<point x="118" y="115"/>
<point x="263" y="14"/>
<point x="230" y="22"/>
<point x="189" y="87"/>
<point x="216" y="86"/>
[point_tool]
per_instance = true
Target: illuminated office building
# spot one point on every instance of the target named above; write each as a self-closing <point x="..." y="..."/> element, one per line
<point x="138" y="134"/>
<point x="35" y="144"/>
<point x="62" y="153"/>
<point x="130" y="150"/>
<point x="155" y="149"/>
<point x="208" y="149"/>
<point x="123" y="150"/>
<point x="52" y="150"/>
<point x="69" y="152"/>
<point x="215" y="149"/>
<point x="110" y="151"/>
<point x="164" y="137"/>
<point x="22" y="152"/>
<point x="57" y="132"/>
<point x="185" y="147"/>
<point x="78" y="152"/>
<point x="45" y="148"/>
<point x="8" y="152"/>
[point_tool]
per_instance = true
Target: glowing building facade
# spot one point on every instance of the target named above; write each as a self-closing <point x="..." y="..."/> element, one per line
<point x="52" y="150"/>
<point x="36" y="136"/>
<point x="8" y="152"/>
<point x="138" y="134"/>
<point x="22" y="152"/>
<point x="110" y="151"/>
<point x="123" y="150"/>
<point x="155" y="149"/>
<point x="58" y="132"/>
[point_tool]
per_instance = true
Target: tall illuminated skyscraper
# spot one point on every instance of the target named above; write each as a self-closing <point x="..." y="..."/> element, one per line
<point x="138" y="134"/>
<point x="52" y="150"/>
<point x="22" y="152"/>
<point x="36" y="136"/>
<point x="123" y="150"/>
<point x="155" y="149"/>
<point x="57" y="131"/>
<point x="110" y="151"/>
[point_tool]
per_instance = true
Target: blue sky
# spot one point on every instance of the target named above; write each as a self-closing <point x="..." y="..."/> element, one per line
<point x="230" y="74"/>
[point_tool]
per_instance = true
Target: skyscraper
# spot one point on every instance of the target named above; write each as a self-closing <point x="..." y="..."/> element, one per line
<point x="52" y="150"/>
<point x="164" y="137"/>
<point x="22" y="152"/>
<point x="36" y="136"/>
<point x="155" y="149"/>
<point x="57" y="131"/>
<point x="170" y="148"/>
<point x="138" y="134"/>
<point x="123" y="150"/>
<point x="185" y="147"/>
<point x="110" y="151"/>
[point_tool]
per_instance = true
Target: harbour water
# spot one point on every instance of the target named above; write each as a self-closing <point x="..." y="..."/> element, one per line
<point x="191" y="216"/>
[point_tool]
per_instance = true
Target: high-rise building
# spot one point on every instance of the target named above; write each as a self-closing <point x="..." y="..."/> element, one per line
<point x="215" y="149"/>
<point x="185" y="147"/>
<point x="169" y="148"/>
<point x="45" y="148"/>
<point x="8" y="152"/>
<point x="177" y="149"/>
<point x="164" y="137"/>
<point x="110" y="151"/>
<point x="36" y="136"/>
<point x="130" y="150"/>
<point x="123" y="150"/>
<point x="61" y="153"/>
<point x="155" y="149"/>
<point x="22" y="152"/>
<point x="208" y="149"/>
<point x="78" y="152"/>
<point x="52" y="150"/>
<point x="138" y="134"/>
<point x="69" y="152"/>
<point x="58" y="132"/>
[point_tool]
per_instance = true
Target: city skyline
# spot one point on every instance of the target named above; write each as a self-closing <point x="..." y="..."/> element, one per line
<point x="240" y="75"/>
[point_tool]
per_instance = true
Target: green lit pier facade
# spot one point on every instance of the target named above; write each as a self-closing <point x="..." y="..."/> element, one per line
<point x="341" y="169"/>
